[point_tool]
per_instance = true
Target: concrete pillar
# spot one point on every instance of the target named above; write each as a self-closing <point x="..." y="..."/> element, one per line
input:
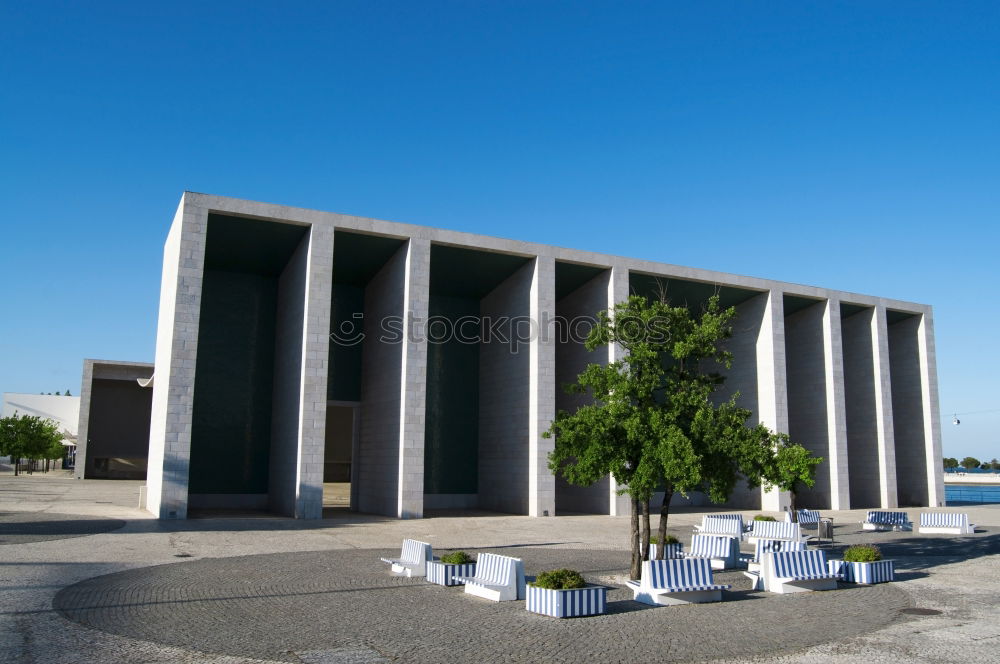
<point x="542" y="387"/>
<point x="836" y="408"/>
<point x="883" y="409"/>
<point x="931" y="408"/>
<point x="315" y="367"/>
<point x="176" y="356"/>
<point x="83" y="424"/>
<point x="413" y="383"/>
<point x="618" y="291"/>
<point x="772" y="390"/>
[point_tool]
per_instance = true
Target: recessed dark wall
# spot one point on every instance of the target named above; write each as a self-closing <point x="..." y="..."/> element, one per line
<point x="451" y="439"/>
<point x="118" y="429"/>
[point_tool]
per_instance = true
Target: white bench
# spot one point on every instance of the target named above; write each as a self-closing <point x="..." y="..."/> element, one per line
<point x="498" y="578"/>
<point x="783" y="530"/>
<point x="413" y="559"/>
<point x="728" y="525"/>
<point x="951" y="523"/>
<point x="807" y="518"/>
<point x="722" y="552"/>
<point x="762" y="547"/>
<point x="880" y="520"/>
<point x="676" y="581"/>
<point x="797" y="571"/>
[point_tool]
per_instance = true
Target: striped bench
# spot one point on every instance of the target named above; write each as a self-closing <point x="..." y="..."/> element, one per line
<point x="728" y="525"/>
<point x="797" y="571"/>
<point x="807" y="518"/>
<point x="498" y="578"/>
<point x="677" y="581"/>
<point x="783" y="530"/>
<point x="951" y="523"/>
<point x="721" y="552"/>
<point x="413" y="559"/>
<point x="762" y="547"/>
<point x="878" y="520"/>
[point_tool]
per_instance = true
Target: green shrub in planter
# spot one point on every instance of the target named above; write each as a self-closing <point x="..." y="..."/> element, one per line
<point x="670" y="539"/>
<point x="559" y="579"/>
<point x="456" y="558"/>
<point x="764" y="517"/>
<point x="862" y="553"/>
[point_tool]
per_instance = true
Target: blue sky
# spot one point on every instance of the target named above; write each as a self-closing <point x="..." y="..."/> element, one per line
<point x="852" y="145"/>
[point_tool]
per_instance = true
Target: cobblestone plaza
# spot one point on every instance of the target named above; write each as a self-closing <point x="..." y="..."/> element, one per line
<point x="88" y="577"/>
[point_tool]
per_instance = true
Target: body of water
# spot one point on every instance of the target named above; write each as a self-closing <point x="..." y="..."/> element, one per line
<point x="971" y="494"/>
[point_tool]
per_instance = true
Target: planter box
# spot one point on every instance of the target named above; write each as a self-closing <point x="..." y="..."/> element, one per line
<point x="444" y="574"/>
<point x="880" y="571"/>
<point x="674" y="550"/>
<point x="587" y="601"/>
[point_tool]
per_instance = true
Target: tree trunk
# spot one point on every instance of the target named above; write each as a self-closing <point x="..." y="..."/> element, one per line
<point x="661" y="531"/>
<point x="636" y="566"/>
<point x="645" y="530"/>
<point x="791" y="507"/>
<point x="17" y="463"/>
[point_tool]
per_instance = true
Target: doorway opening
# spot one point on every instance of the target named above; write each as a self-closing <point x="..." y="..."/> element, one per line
<point x="339" y="481"/>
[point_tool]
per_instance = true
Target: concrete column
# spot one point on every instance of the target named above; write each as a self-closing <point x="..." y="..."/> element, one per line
<point x="618" y="291"/>
<point x="413" y="383"/>
<point x="772" y="390"/>
<point x="315" y="367"/>
<point x="836" y="408"/>
<point x="883" y="409"/>
<point x="931" y="408"/>
<point x="83" y="424"/>
<point x="176" y="356"/>
<point x="542" y="387"/>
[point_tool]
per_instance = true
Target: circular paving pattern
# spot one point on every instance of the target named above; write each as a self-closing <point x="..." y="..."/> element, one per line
<point x="26" y="527"/>
<point x="271" y="606"/>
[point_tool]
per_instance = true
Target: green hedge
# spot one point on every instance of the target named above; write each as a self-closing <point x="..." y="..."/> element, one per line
<point x="559" y="579"/>
<point x="456" y="558"/>
<point x="862" y="553"/>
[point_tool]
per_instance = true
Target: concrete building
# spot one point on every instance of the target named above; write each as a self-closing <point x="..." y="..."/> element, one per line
<point x="297" y="348"/>
<point x="113" y="440"/>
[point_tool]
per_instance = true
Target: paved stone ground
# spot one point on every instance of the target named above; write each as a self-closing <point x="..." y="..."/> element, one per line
<point x="266" y="589"/>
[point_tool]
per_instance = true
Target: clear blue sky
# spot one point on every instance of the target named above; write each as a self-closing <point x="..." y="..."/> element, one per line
<point x="852" y="145"/>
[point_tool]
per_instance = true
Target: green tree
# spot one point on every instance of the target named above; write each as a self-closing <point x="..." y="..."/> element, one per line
<point x="68" y="394"/>
<point x="652" y="423"/>
<point x="950" y="462"/>
<point x="27" y="437"/>
<point x="970" y="463"/>
<point x="992" y="465"/>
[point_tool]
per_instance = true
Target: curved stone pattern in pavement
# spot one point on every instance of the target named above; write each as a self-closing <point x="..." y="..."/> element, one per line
<point x="26" y="527"/>
<point x="276" y="605"/>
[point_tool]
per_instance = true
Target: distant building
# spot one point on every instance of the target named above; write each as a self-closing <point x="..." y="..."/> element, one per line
<point x="298" y="348"/>
<point x="113" y="427"/>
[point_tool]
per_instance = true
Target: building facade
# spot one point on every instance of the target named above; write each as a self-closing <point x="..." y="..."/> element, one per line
<point x="298" y="349"/>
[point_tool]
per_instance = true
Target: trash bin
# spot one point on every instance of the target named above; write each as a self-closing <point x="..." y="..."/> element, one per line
<point x="824" y="529"/>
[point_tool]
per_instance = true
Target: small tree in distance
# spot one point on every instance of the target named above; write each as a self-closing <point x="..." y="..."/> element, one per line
<point x="950" y="462"/>
<point x="28" y="437"/>
<point x="970" y="463"/>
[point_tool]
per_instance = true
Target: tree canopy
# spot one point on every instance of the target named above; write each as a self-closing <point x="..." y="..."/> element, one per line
<point x="970" y="463"/>
<point x="653" y="423"/>
<point x="29" y="437"/>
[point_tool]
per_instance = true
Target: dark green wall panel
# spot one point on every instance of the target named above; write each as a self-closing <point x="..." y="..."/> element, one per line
<point x="344" y="382"/>
<point x="451" y="439"/>
<point x="231" y="429"/>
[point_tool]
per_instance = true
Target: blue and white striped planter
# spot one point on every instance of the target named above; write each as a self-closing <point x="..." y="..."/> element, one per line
<point x="588" y="601"/>
<point x="880" y="571"/>
<point x="674" y="550"/>
<point x="444" y="574"/>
